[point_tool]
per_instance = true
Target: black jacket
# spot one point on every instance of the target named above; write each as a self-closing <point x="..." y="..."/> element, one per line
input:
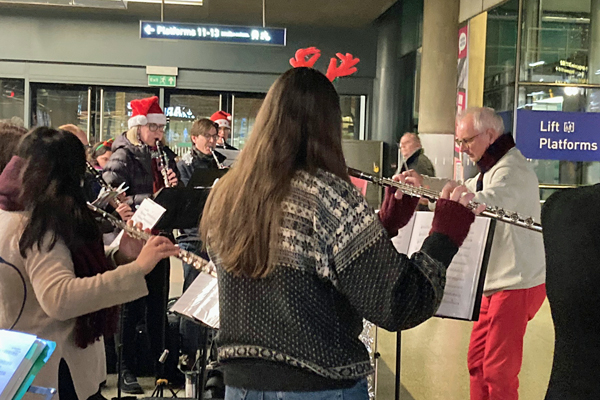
<point x="188" y="164"/>
<point x="133" y="165"/>
<point x="572" y="243"/>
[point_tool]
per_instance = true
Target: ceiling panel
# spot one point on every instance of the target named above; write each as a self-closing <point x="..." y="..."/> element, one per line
<point x="279" y="13"/>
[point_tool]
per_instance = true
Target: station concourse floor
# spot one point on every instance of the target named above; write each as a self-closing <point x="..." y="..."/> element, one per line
<point x="434" y="355"/>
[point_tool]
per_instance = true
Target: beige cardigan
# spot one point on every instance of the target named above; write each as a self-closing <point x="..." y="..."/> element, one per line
<point x="55" y="298"/>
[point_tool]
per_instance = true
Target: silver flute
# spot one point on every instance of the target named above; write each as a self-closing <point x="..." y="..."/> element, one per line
<point x="497" y="213"/>
<point x="221" y="166"/>
<point x="163" y="163"/>
<point x="98" y="176"/>
<point x="187" y="257"/>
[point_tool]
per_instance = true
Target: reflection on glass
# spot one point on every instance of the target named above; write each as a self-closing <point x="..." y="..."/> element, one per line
<point x="350" y="106"/>
<point x="556" y="42"/>
<point x="55" y="106"/>
<point x="245" y="111"/>
<point x="181" y="111"/>
<point x="500" y="56"/>
<point x="117" y="110"/>
<point x="12" y="93"/>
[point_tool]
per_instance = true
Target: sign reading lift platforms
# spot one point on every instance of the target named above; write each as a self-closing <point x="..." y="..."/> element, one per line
<point x="213" y="33"/>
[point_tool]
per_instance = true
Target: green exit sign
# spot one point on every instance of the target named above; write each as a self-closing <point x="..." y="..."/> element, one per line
<point x="162" y="80"/>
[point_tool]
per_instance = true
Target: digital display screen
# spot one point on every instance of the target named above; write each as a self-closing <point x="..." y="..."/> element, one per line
<point x="213" y="33"/>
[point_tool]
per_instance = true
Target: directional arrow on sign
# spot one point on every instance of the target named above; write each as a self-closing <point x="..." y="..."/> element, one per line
<point x="149" y="29"/>
<point x="171" y="80"/>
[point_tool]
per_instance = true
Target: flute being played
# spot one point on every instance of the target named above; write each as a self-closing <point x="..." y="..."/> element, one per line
<point x="196" y="261"/>
<point x="490" y="211"/>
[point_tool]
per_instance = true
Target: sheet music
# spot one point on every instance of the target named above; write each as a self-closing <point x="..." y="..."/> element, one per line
<point x="463" y="274"/>
<point x="200" y="301"/>
<point x="14" y="347"/>
<point x="148" y="213"/>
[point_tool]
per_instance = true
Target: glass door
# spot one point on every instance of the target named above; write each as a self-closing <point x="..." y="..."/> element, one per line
<point x="115" y="109"/>
<point x="243" y="113"/>
<point x="182" y="108"/>
<point x="55" y="105"/>
<point x="12" y="93"/>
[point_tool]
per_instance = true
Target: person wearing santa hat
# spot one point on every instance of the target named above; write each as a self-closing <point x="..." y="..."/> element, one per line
<point x="223" y="119"/>
<point x="135" y="162"/>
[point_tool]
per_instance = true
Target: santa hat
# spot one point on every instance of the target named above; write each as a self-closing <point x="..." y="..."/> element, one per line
<point x="146" y="111"/>
<point x="221" y="118"/>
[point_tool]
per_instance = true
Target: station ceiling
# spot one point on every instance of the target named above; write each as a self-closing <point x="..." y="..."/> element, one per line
<point x="279" y="13"/>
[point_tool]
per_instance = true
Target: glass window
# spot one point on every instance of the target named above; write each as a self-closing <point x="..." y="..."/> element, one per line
<point x="56" y="105"/>
<point x="12" y="94"/>
<point x="556" y="42"/>
<point x="245" y="110"/>
<point x="116" y="110"/>
<point x="351" y="116"/>
<point x="500" y="56"/>
<point x="569" y="99"/>
<point x="182" y="110"/>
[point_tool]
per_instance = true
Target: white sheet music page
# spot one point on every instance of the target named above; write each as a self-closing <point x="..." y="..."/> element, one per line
<point x="200" y="301"/>
<point x="148" y="213"/>
<point x="462" y="276"/>
<point x="402" y="240"/>
<point x="14" y="347"/>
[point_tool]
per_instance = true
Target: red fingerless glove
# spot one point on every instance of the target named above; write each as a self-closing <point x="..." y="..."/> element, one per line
<point x="452" y="219"/>
<point x="394" y="214"/>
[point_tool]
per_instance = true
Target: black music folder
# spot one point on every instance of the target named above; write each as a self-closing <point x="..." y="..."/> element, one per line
<point x="466" y="274"/>
<point x="184" y="207"/>
<point x="205" y="178"/>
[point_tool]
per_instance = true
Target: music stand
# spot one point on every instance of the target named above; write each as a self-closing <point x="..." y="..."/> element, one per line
<point x="200" y="304"/>
<point x="184" y="207"/>
<point x="205" y="177"/>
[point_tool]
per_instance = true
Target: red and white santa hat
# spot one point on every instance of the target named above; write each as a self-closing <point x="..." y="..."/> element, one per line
<point x="146" y="111"/>
<point x="221" y="118"/>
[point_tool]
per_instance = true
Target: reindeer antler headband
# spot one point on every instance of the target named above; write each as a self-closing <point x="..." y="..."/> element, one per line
<point x="309" y="56"/>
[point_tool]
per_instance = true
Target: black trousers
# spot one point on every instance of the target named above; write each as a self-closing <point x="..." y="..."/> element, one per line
<point x="153" y="308"/>
<point x="66" y="388"/>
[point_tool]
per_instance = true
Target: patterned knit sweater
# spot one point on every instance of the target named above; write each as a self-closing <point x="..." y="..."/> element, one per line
<point x="336" y="266"/>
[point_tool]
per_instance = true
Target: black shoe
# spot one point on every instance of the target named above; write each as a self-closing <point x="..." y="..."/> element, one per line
<point x="129" y="383"/>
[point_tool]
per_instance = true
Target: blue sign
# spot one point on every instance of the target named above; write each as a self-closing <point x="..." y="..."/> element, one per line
<point x="213" y="33"/>
<point x="552" y="135"/>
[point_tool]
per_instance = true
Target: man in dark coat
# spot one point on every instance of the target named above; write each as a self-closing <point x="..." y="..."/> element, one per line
<point x="572" y="244"/>
<point x="414" y="158"/>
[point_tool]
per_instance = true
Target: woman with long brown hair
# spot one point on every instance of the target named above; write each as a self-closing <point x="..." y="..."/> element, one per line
<point x="302" y="258"/>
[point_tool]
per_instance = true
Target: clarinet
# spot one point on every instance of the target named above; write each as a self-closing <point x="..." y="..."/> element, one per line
<point x="101" y="181"/>
<point x="187" y="257"/>
<point x="163" y="163"/>
<point x="221" y="166"/>
<point x="492" y="212"/>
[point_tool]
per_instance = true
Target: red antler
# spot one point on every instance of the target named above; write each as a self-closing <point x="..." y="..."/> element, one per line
<point x="346" y="67"/>
<point x="300" y="59"/>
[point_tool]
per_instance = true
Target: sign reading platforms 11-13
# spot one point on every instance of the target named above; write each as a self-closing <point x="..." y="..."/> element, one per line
<point x="213" y="33"/>
<point x="552" y="135"/>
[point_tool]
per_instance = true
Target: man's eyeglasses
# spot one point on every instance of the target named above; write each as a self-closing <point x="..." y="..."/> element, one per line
<point x="466" y="142"/>
<point x="211" y="137"/>
<point x="156" y="127"/>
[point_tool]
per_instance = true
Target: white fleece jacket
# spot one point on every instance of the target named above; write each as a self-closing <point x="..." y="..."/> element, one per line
<point x="517" y="260"/>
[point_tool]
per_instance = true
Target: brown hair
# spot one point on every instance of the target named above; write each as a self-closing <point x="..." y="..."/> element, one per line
<point x="298" y="127"/>
<point x="202" y="126"/>
<point x="10" y="135"/>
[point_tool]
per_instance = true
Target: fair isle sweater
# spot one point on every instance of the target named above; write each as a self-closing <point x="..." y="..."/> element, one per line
<point x="336" y="266"/>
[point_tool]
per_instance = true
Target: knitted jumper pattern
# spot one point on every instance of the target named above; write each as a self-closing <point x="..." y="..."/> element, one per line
<point x="308" y="312"/>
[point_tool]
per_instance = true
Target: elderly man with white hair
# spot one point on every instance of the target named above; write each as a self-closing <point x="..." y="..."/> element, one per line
<point x="515" y="282"/>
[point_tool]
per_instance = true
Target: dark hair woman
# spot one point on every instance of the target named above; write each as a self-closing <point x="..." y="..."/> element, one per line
<point x="302" y="258"/>
<point x="55" y="279"/>
<point x="101" y="153"/>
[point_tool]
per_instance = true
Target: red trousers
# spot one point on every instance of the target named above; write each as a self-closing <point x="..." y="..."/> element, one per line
<point x="496" y="346"/>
